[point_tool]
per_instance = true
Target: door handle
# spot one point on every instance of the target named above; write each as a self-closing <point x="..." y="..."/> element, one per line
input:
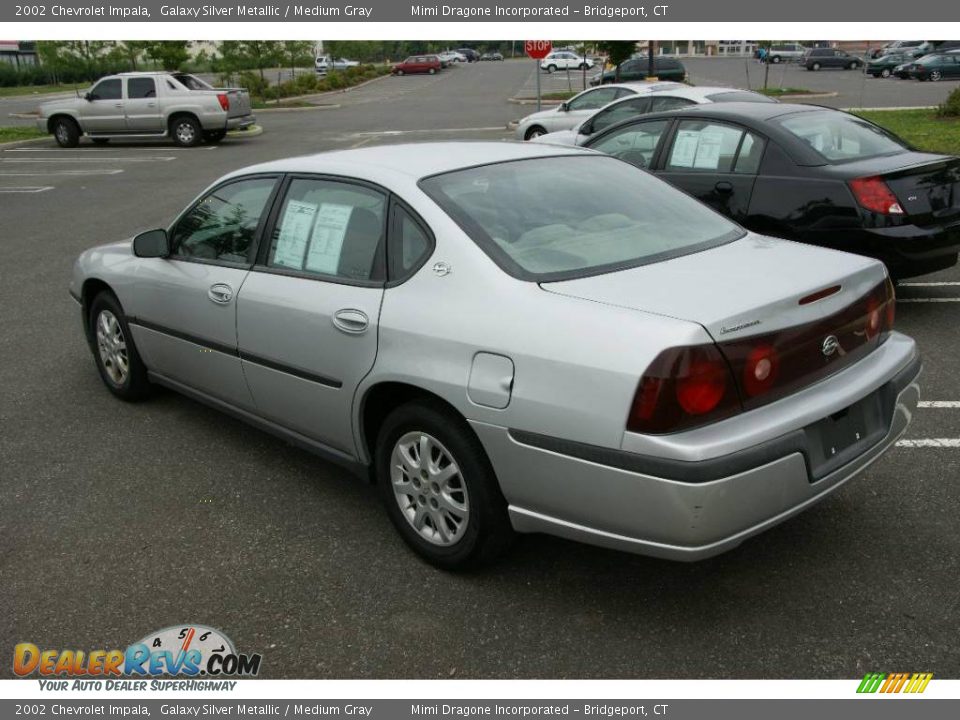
<point x="723" y="187"/>
<point x="351" y="321"/>
<point x="220" y="293"/>
<point x="119" y="105"/>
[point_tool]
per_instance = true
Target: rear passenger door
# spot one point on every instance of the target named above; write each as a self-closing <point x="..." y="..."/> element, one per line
<point x="307" y="314"/>
<point x="715" y="162"/>
<point x="141" y="106"/>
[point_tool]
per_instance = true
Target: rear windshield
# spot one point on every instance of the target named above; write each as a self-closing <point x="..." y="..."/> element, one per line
<point x="191" y="82"/>
<point x="563" y="217"/>
<point x="839" y="137"/>
<point x="739" y="96"/>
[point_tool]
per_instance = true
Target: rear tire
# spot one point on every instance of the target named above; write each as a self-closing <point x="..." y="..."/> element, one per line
<point x="185" y="130"/>
<point x="215" y="136"/>
<point x="439" y="488"/>
<point x="815" y="67"/>
<point x="100" y="141"/>
<point x="432" y="71"/>
<point x="775" y="60"/>
<point x="66" y="133"/>
<point x="114" y="351"/>
<point x="551" y="68"/>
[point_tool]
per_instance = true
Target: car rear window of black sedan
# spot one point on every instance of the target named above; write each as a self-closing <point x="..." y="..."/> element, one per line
<point x="554" y="218"/>
<point x="838" y="137"/>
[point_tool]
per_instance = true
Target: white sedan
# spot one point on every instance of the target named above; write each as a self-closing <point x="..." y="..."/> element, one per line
<point x="571" y="113"/>
<point x="565" y="60"/>
<point x="657" y="101"/>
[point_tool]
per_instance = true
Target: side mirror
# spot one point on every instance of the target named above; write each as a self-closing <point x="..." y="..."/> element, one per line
<point x="89" y="96"/>
<point x="562" y="107"/>
<point x="152" y="244"/>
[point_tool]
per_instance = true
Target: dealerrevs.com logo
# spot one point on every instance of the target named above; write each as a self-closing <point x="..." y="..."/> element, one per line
<point x="181" y="650"/>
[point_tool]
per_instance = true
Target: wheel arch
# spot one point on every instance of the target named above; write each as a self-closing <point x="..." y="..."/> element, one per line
<point x="378" y="401"/>
<point x="62" y="115"/>
<point x="89" y="290"/>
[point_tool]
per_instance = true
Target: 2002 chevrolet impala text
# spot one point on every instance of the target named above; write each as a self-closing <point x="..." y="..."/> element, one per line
<point x="512" y="337"/>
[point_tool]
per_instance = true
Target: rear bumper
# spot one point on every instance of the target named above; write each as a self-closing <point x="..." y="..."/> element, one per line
<point x="238" y="123"/>
<point x="689" y="514"/>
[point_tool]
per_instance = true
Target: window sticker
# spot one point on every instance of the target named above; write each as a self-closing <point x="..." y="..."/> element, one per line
<point x="294" y="232"/>
<point x="708" y="151"/>
<point x="327" y="239"/>
<point x="684" y="148"/>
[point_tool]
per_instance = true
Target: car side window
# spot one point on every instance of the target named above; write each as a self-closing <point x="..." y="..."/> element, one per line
<point x="593" y="100"/>
<point x="635" y="143"/>
<point x="704" y="146"/>
<point x="750" y="154"/>
<point x="621" y="111"/>
<point x="144" y="87"/>
<point x="223" y="224"/>
<point x="330" y="228"/>
<point x="669" y="103"/>
<point x="107" y="90"/>
<point x="410" y="245"/>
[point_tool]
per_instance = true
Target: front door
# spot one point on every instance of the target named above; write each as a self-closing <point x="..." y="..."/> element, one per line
<point x="307" y="315"/>
<point x="141" y="106"/>
<point x="715" y="162"/>
<point x="102" y="112"/>
<point x="186" y="305"/>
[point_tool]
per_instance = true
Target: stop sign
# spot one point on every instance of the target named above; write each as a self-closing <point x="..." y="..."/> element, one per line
<point x="537" y="49"/>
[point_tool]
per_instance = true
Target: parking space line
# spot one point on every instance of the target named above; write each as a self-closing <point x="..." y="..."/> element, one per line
<point x="928" y="284"/>
<point x="138" y="158"/>
<point x="93" y="171"/>
<point x="930" y="443"/>
<point x="26" y="189"/>
<point x="927" y="300"/>
<point x="939" y="404"/>
<point x="435" y="130"/>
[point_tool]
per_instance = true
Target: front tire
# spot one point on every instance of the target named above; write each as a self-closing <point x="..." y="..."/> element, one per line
<point x="432" y="71"/>
<point x="935" y="75"/>
<point x="815" y="67"/>
<point x="534" y="132"/>
<point x="66" y="133"/>
<point x="551" y="68"/>
<point x="114" y="351"/>
<point x="885" y="73"/>
<point x="185" y="131"/>
<point x="775" y="60"/>
<point x="439" y="488"/>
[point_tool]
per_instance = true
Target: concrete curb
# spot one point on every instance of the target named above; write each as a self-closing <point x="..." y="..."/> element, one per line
<point x="14" y="143"/>
<point x="250" y="132"/>
<point x="532" y="101"/>
<point x="890" y="109"/>
<point x="310" y="108"/>
<point x="803" y="96"/>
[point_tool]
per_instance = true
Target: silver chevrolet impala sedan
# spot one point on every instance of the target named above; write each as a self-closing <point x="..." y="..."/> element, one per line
<point x="514" y="338"/>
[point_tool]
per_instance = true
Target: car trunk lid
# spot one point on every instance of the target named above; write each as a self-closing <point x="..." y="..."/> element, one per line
<point x="929" y="192"/>
<point x="754" y="293"/>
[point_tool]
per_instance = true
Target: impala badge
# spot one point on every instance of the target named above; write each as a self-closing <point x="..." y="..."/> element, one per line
<point x="830" y="345"/>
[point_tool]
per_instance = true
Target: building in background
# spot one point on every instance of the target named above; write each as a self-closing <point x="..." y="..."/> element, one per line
<point x="19" y="53"/>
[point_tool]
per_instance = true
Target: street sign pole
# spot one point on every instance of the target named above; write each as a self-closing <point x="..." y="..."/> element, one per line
<point x="536" y="64"/>
<point x="538" y="50"/>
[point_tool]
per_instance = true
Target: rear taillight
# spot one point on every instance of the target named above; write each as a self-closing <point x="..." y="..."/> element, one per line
<point x="687" y="387"/>
<point x="873" y="194"/>
<point x="224" y="100"/>
<point x="683" y="387"/>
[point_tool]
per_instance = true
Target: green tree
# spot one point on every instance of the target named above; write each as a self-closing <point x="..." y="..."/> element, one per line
<point x="296" y="52"/>
<point x="169" y="54"/>
<point x="133" y="50"/>
<point x="618" y="52"/>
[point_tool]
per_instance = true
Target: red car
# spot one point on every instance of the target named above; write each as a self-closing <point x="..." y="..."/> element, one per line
<point x="418" y="64"/>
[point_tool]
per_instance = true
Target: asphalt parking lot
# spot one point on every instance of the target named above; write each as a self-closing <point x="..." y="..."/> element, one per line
<point x="118" y="519"/>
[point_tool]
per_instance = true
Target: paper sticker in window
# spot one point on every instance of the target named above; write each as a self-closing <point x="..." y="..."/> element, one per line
<point x="684" y="148"/>
<point x="294" y="233"/>
<point x="708" y="151"/>
<point x="327" y="239"/>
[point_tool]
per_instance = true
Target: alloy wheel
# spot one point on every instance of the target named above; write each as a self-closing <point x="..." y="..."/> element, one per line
<point x="429" y="488"/>
<point x="112" y="346"/>
<point x="186" y="133"/>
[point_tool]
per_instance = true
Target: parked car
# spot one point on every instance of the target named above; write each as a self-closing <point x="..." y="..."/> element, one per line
<point x="788" y="52"/>
<point x="819" y="58"/>
<point x="665" y="68"/>
<point x="452" y="56"/>
<point x="471" y="54"/>
<point x="325" y="63"/>
<point x="418" y="64"/>
<point x="884" y="65"/>
<point x="571" y="113"/>
<point x="806" y="173"/>
<point x="565" y="60"/>
<point x="457" y="322"/>
<point x="179" y="106"/>
<point x="657" y="101"/>
<point x="937" y="66"/>
<point x="491" y="56"/>
<point x="910" y="48"/>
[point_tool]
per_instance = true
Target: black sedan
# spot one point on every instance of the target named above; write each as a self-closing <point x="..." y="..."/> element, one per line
<point x="806" y="173"/>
